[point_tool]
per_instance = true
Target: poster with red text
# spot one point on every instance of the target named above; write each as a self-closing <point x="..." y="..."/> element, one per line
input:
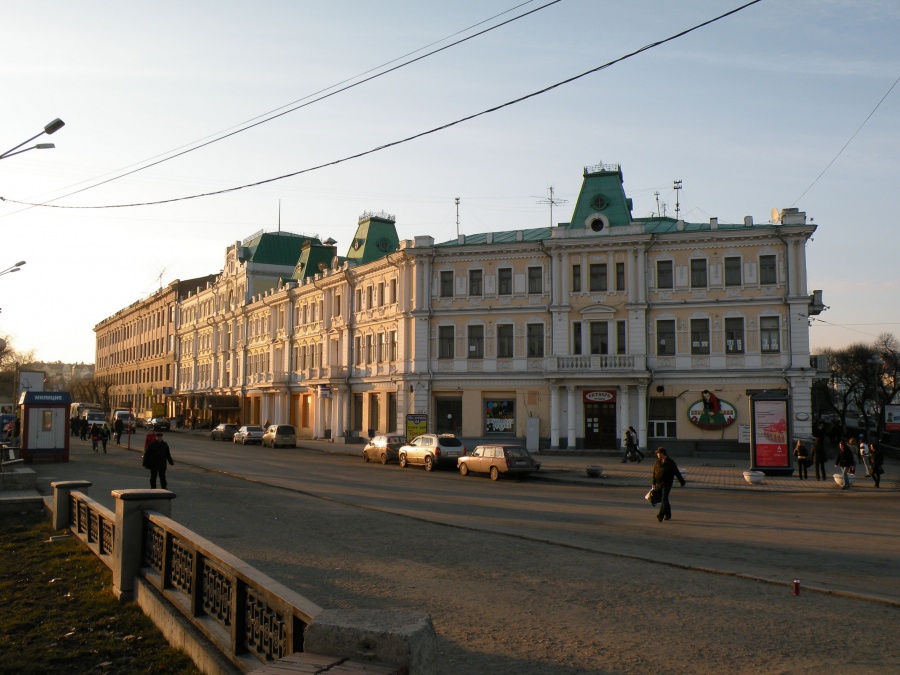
<point x="770" y="433"/>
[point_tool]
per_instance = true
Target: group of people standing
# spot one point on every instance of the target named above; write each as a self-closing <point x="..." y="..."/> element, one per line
<point x="869" y="455"/>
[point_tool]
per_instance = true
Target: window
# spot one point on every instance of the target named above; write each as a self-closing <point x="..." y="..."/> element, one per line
<point x="381" y="348"/>
<point x="499" y="416"/>
<point x="445" y="342"/>
<point x="598" y="278"/>
<point x="370" y="351"/>
<point x="620" y="276"/>
<point x="664" y="277"/>
<point x="476" y="342"/>
<point x="698" y="273"/>
<point x="576" y="337"/>
<point x="474" y="282"/>
<point x="370" y="302"/>
<point x="535" y="280"/>
<point x="393" y="291"/>
<point x="505" y="341"/>
<point x="767" y="273"/>
<point x="381" y="298"/>
<point x="357" y="347"/>
<point x="337" y="305"/>
<point x="599" y="337"/>
<point x="768" y="334"/>
<point x="447" y="284"/>
<point x="576" y="278"/>
<point x="620" y="337"/>
<point x="504" y="281"/>
<point x="700" y="336"/>
<point x="393" y="340"/>
<point x="734" y="336"/>
<point x="535" y="340"/>
<point x="732" y="271"/>
<point x="661" y="414"/>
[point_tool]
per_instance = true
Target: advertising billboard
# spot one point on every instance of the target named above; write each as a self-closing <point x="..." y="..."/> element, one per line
<point x="769" y="436"/>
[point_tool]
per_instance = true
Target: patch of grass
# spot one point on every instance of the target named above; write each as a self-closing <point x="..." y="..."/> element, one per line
<point x="59" y="615"/>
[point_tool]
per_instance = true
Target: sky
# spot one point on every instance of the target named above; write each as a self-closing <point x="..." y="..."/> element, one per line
<point x="748" y="112"/>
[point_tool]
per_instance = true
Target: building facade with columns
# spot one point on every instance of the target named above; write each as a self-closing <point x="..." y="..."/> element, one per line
<point x="563" y="336"/>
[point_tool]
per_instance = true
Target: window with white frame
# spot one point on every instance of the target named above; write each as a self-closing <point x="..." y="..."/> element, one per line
<point x="734" y="335"/>
<point x="769" y="334"/>
<point x="699" y="336"/>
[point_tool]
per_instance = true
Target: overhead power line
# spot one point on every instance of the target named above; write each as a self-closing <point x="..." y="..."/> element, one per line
<point x="274" y="114"/>
<point x="414" y="136"/>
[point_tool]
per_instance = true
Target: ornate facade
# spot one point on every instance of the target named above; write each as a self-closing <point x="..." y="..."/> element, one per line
<point x="564" y="335"/>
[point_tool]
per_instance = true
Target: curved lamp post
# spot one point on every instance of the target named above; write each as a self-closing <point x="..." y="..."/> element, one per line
<point x="50" y="128"/>
<point x="13" y="268"/>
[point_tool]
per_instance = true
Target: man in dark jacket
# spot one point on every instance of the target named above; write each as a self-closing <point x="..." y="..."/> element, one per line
<point x="846" y="463"/>
<point x="665" y="471"/>
<point x="155" y="458"/>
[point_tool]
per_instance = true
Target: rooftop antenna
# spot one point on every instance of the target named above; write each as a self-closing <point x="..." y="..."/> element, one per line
<point x="677" y="200"/>
<point x="279" y="216"/>
<point x="658" y="212"/>
<point x="457" y="217"/>
<point x="552" y="201"/>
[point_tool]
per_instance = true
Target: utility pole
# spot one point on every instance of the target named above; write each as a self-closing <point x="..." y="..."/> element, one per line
<point x="677" y="200"/>
<point x="457" y="217"/>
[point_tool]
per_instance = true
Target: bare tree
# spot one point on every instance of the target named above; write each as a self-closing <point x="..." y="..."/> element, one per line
<point x="852" y="378"/>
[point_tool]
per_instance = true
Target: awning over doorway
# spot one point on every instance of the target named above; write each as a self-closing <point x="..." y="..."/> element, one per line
<point x="223" y="402"/>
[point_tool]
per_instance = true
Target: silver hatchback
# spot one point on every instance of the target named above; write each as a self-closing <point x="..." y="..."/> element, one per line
<point x="432" y="450"/>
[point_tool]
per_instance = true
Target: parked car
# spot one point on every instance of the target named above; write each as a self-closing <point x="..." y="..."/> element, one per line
<point x="497" y="460"/>
<point x="248" y="434"/>
<point x="158" y="424"/>
<point x="280" y="435"/>
<point x="224" y="432"/>
<point x="384" y="448"/>
<point x="432" y="450"/>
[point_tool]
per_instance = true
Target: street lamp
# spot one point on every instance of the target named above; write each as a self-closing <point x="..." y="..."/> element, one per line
<point x="13" y="268"/>
<point x="50" y="128"/>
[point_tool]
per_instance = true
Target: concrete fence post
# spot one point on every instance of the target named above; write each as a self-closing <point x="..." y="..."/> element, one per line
<point x="62" y="505"/>
<point x="129" y="536"/>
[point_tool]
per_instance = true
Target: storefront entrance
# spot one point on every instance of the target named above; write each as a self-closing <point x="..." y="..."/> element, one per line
<point x="599" y="420"/>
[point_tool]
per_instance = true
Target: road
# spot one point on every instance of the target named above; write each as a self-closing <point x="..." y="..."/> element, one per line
<point x="346" y="533"/>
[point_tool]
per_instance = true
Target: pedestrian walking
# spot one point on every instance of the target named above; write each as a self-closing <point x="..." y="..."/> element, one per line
<point x="149" y="438"/>
<point x="104" y="437"/>
<point x="74" y="426"/>
<point x="83" y="426"/>
<point x="864" y="455"/>
<point x="846" y="463"/>
<point x="632" y="451"/>
<point x="118" y="428"/>
<point x="156" y="457"/>
<point x="665" y="471"/>
<point x="876" y="461"/>
<point x="802" y="455"/>
<point x="819" y="457"/>
<point x="95" y="437"/>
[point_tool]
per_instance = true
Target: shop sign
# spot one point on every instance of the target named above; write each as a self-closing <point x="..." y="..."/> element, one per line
<point x="600" y="396"/>
<point x="711" y="412"/>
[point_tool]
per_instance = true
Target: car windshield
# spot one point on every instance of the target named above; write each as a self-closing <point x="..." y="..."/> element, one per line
<point x="284" y="430"/>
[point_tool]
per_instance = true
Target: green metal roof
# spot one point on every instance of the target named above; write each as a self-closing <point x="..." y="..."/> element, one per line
<point x="276" y="248"/>
<point x="376" y="237"/>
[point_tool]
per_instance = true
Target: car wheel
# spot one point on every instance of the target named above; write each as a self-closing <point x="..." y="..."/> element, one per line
<point x="495" y="473"/>
<point x="365" y="456"/>
<point x="402" y="461"/>
<point x="384" y="458"/>
<point x="429" y="463"/>
<point x="464" y="469"/>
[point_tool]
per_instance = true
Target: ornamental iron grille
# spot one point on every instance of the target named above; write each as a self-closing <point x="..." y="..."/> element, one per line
<point x="218" y="593"/>
<point x="93" y="526"/>
<point x="82" y="518"/>
<point x="266" y="632"/>
<point x="154" y="540"/>
<point x="108" y="535"/>
<point x="181" y="566"/>
<point x="73" y="511"/>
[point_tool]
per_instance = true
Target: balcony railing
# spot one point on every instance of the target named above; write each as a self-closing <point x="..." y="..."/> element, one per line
<point x="594" y="362"/>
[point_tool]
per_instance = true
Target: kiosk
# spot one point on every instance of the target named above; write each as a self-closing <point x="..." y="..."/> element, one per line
<point x="45" y="426"/>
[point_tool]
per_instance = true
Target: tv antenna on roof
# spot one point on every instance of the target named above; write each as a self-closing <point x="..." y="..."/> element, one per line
<point x="552" y="201"/>
<point x="677" y="200"/>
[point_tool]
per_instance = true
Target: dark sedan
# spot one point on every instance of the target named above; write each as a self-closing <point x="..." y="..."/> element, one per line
<point x="158" y="424"/>
<point x="224" y="432"/>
